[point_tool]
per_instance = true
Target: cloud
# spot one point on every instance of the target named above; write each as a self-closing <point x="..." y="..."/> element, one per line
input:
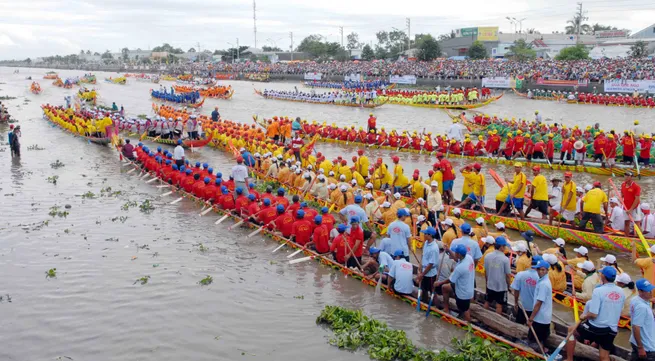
<point x="5" y="40"/>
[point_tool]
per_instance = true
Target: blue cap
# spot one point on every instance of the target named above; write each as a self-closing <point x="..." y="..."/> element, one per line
<point x="182" y="168"/>
<point x="189" y="171"/>
<point x="159" y="149"/>
<point x="465" y="227"/>
<point x="205" y="165"/>
<point x="186" y="162"/>
<point x="210" y="170"/>
<point x="197" y="164"/>
<point x="341" y="228"/>
<point x="280" y="191"/>
<point x="358" y="199"/>
<point x="400" y="213"/>
<point x="609" y="273"/>
<point x="280" y="208"/>
<point x="535" y="259"/>
<point x="140" y="144"/>
<point x="373" y="250"/>
<point x="644" y="285"/>
<point x="528" y="235"/>
<point x="300" y="213"/>
<point x="500" y="240"/>
<point x="267" y="202"/>
<point x="460" y="249"/>
<point x="303" y="204"/>
<point x="430" y="230"/>
<point x="174" y="167"/>
<point x="168" y="161"/>
<point x="224" y="190"/>
<point x="218" y="181"/>
<point x="541" y="264"/>
<point x="318" y="219"/>
<point x="251" y="185"/>
<point x="354" y="219"/>
<point x="325" y="210"/>
<point x="206" y="180"/>
<point x="398" y="253"/>
<point x="251" y="197"/>
<point x="179" y="141"/>
<point x="239" y="190"/>
<point x="219" y="175"/>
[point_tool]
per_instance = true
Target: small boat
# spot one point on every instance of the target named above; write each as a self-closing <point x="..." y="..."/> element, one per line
<point x="260" y="77"/>
<point x="51" y="75"/>
<point x="35" y="88"/>
<point x="120" y="80"/>
<point x="167" y="77"/>
<point x="215" y="92"/>
<point x="88" y="79"/>
<point x="352" y="105"/>
<point x="186" y="143"/>
<point x="190" y="105"/>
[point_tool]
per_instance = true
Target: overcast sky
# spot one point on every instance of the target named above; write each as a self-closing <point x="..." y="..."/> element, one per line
<point x="33" y="28"/>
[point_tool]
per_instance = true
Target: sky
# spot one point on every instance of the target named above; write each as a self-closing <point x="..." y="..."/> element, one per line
<point x="35" y="28"/>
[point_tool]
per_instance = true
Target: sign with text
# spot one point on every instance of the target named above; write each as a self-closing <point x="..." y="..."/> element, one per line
<point x="606" y="34"/>
<point x="468" y="31"/>
<point x="313" y="76"/>
<point x="402" y="79"/>
<point x="629" y="86"/>
<point x="489" y="33"/>
<point x="353" y="77"/>
<point x="573" y="83"/>
<point x="499" y="82"/>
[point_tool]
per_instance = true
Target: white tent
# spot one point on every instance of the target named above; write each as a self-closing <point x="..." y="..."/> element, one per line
<point x="612" y="52"/>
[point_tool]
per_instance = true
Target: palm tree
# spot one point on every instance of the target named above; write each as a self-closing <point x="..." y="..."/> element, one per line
<point x="576" y="24"/>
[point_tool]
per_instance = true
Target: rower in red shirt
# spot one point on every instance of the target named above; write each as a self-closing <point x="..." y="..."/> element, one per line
<point x="550" y="148"/>
<point x="645" y="143"/>
<point x="529" y="148"/>
<point x="268" y="213"/>
<point x="356" y="241"/>
<point x="251" y="190"/>
<point x="631" y="194"/>
<point x="198" y="188"/>
<point x="187" y="182"/>
<point x="416" y="141"/>
<point x="320" y="237"/>
<point x="480" y="146"/>
<point x="295" y="204"/>
<point x="301" y="229"/>
<point x="241" y="201"/>
<point x="210" y="190"/>
<point x="280" y="198"/>
<point x="372" y="122"/>
<point x="268" y="194"/>
<point x="371" y="137"/>
<point x="509" y="147"/>
<point x="310" y="213"/>
<point x="393" y="139"/>
<point x="226" y="200"/>
<point x="600" y="143"/>
<point x="253" y="207"/>
<point x="328" y="219"/>
<point x="469" y="149"/>
<point x="284" y="221"/>
<point x="427" y="144"/>
<point x="448" y="177"/>
<point x="627" y="141"/>
<point x="455" y="147"/>
<point x="338" y="247"/>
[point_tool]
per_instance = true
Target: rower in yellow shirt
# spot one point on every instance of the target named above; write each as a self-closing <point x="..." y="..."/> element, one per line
<point x="361" y="182"/>
<point x="567" y="206"/>
<point x="539" y="193"/>
<point x="645" y="264"/>
<point x="477" y="185"/>
<point x="400" y="181"/>
<point x="417" y="188"/>
<point x="437" y="176"/>
<point x="362" y="163"/>
<point x="516" y="192"/>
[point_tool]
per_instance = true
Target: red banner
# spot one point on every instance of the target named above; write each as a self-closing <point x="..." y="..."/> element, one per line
<point x="580" y="82"/>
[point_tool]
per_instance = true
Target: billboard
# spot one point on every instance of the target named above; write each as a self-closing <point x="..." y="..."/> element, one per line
<point x="571" y="83"/>
<point x="488" y="33"/>
<point x="499" y="82"/>
<point x="313" y="76"/>
<point x="468" y="31"/>
<point x="629" y="86"/>
<point x="606" y="34"/>
<point x="402" y="79"/>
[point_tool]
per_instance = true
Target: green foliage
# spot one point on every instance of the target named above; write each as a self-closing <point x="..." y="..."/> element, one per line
<point x="146" y="206"/>
<point x="578" y="52"/>
<point x="428" y="48"/>
<point x="317" y="48"/>
<point x="639" y="49"/>
<point x="521" y="50"/>
<point x="51" y="273"/>
<point x="368" y="53"/>
<point x="55" y="212"/>
<point x="354" y="330"/>
<point x="477" y="51"/>
<point x="390" y="43"/>
<point x="353" y="41"/>
<point x="167" y="48"/>
<point x="56" y="164"/>
<point x="265" y="48"/>
<point x="129" y="204"/>
<point x="143" y="280"/>
<point x="52" y="179"/>
<point x="89" y="194"/>
<point x="576" y="24"/>
<point x="206" y="281"/>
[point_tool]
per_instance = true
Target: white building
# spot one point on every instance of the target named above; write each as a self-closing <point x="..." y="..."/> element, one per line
<point x="647" y="33"/>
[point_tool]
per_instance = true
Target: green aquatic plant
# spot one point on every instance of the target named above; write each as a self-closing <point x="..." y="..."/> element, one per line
<point x="56" y="164"/>
<point x="206" y="281"/>
<point x="143" y="280"/>
<point x="89" y="195"/>
<point x="51" y="273"/>
<point x="52" y="179"/>
<point x="146" y="206"/>
<point x="354" y="330"/>
<point x="129" y="204"/>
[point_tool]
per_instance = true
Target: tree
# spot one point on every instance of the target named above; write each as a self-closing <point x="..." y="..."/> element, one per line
<point x="191" y="50"/>
<point x="28" y="61"/>
<point x="638" y="49"/>
<point x="367" y="53"/>
<point x="576" y="24"/>
<point x="107" y="55"/>
<point x="477" y="51"/>
<point x="521" y="50"/>
<point x="353" y="41"/>
<point x="390" y="44"/>
<point x="578" y="52"/>
<point x="269" y="48"/>
<point x="428" y="48"/>
<point x="167" y="48"/>
<point x="313" y="45"/>
<point x="125" y="52"/>
<point x="532" y="31"/>
<point x="443" y="37"/>
<point x="96" y="53"/>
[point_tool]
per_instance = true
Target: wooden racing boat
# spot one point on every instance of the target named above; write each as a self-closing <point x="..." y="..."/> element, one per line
<point x="35" y="88"/>
<point x="575" y="101"/>
<point x="122" y="80"/>
<point x="113" y="137"/>
<point x="370" y="106"/>
<point x="204" y="92"/>
<point x="186" y="143"/>
<point x="51" y="75"/>
<point x="190" y="105"/>
<point x="452" y="106"/>
<point x="505" y="329"/>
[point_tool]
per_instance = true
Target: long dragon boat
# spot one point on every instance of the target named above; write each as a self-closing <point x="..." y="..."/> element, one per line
<point x="51" y="75"/>
<point x="190" y="105"/>
<point x="120" y="80"/>
<point x="452" y="106"/>
<point x="186" y="143"/>
<point x="353" y="105"/>
<point x="482" y="332"/>
<point x="211" y="92"/>
<point x="111" y="138"/>
<point x="563" y="99"/>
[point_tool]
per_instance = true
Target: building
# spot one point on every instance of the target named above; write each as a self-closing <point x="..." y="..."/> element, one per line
<point x="647" y="33"/>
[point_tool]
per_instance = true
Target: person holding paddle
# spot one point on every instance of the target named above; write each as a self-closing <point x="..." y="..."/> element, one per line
<point x="542" y="308"/>
<point x="631" y="194"/>
<point x="642" y="338"/>
<point x="461" y="282"/>
<point x="427" y="274"/>
<point x="516" y="192"/>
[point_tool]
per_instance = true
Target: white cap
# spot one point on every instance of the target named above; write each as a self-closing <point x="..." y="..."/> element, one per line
<point x="321" y="171"/>
<point x="353" y="182"/>
<point x="448" y="222"/>
<point x="321" y="177"/>
<point x="396" y="195"/>
<point x="609" y="259"/>
<point x="343" y="188"/>
<point x="420" y="219"/>
<point x="582" y="250"/>
<point x="342" y="177"/>
<point x="332" y="186"/>
<point x="579" y="190"/>
<point x="331" y="173"/>
<point x="298" y="163"/>
<point x="520" y="247"/>
<point x="588" y="187"/>
<point x="420" y="200"/>
<point x="306" y="175"/>
<point x="645" y="206"/>
<point x="369" y="185"/>
<point x="309" y="167"/>
<point x="500" y="225"/>
<point x="368" y="196"/>
<point x="623" y="278"/>
<point x="479" y="220"/>
<point x="457" y="211"/>
<point x="614" y="200"/>
<point x="386" y="205"/>
<point x="550" y="258"/>
<point x="489" y="240"/>
<point x="558" y="241"/>
<point x="434" y="184"/>
<point x="257" y="155"/>
<point x="242" y="150"/>
<point x="387" y="192"/>
<point x="587" y="265"/>
<point x="298" y="171"/>
<point x="293" y="167"/>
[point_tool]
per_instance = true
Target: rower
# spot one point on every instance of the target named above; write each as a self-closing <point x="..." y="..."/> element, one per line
<point x="567" y="206"/>
<point x="516" y="193"/>
<point x="450" y="233"/>
<point x="477" y="185"/>
<point x="320" y="237"/>
<point x="301" y="229"/>
<point x="497" y="275"/>
<point x="382" y="263"/>
<point x="631" y="194"/>
<point x="615" y="220"/>
<point x="427" y="274"/>
<point x="434" y="202"/>
<point x="399" y="233"/>
<point x="592" y="202"/>
<point x="401" y="278"/>
<point x="460" y="283"/>
<point x="538" y="193"/>
<point x="591" y="279"/>
<point x="338" y="247"/>
<point x="642" y="323"/>
<point x="472" y="246"/>
<point x="524" y="285"/>
<point x="645" y="264"/>
<point x="523" y="261"/>
<point x="648" y="222"/>
<point x="624" y="281"/>
<point x="284" y="221"/>
<point x="556" y="272"/>
<point x="600" y="323"/>
<point x="542" y="309"/>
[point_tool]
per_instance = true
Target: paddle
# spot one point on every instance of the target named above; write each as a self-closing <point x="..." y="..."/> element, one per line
<point x="298" y="260"/>
<point x="536" y="338"/>
<point x="427" y="313"/>
<point x="131" y="170"/>
<point x="255" y="232"/>
<point x="220" y="220"/>
<point x="177" y="200"/>
<point x="296" y="252"/>
<point x="553" y="356"/>
<point x="166" y="194"/>
<point x="209" y="209"/>
<point x="152" y="180"/>
<point x="163" y="186"/>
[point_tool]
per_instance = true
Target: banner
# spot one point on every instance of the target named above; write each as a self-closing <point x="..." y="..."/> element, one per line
<point x="499" y="82"/>
<point x="629" y="86"/>
<point x="468" y="31"/>
<point x="353" y="77"/>
<point x="572" y="83"/>
<point x="402" y="79"/>
<point x="607" y="34"/>
<point x="313" y="76"/>
<point x="489" y="33"/>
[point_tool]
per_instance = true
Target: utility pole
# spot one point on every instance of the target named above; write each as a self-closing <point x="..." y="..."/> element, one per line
<point x="254" y="18"/>
<point x="409" y="36"/>
<point x="237" y="49"/>
<point x="291" y="46"/>
<point x="341" y="31"/>
<point x="579" y="21"/>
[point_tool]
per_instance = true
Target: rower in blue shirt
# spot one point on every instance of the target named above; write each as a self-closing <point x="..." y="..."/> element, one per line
<point x="400" y="233"/>
<point x="600" y="323"/>
<point x="472" y="247"/>
<point x="542" y="308"/>
<point x="427" y="274"/>
<point x="524" y="285"/>
<point x="642" y="338"/>
<point x="460" y="284"/>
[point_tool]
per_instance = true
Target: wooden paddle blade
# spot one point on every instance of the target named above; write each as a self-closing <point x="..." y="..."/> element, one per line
<point x="152" y="180"/>
<point x="294" y="261"/>
<point x="177" y="200"/>
<point x="294" y="253"/>
<point x="235" y="225"/>
<point x="163" y="186"/>
<point x="131" y="170"/>
<point x="275" y="250"/>
<point x="166" y="194"/>
<point x="222" y="219"/>
<point x="206" y="211"/>
<point x="256" y="232"/>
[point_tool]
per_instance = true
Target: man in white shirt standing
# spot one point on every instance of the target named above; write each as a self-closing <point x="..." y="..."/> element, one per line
<point x="616" y="218"/>
<point x="648" y="222"/>
<point x="178" y="154"/>
<point x="240" y="176"/>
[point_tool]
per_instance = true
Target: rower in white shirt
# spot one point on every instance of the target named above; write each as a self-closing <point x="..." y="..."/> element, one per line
<point x="616" y="218"/>
<point x="648" y="222"/>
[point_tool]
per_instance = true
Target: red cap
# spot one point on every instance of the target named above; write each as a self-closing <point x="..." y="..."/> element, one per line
<point x="436" y="165"/>
<point x="360" y="151"/>
<point x="568" y="174"/>
<point x="318" y="155"/>
<point x="395" y="159"/>
<point x="536" y="168"/>
<point x="379" y="161"/>
<point x="354" y="158"/>
<point x="344" y="162"/>
<point x="477" y="166"/>
<point x="597" y="184"/>
<point x="239" y="159"/>
<point x="430" y="172"/>
<point x="439" y="155"/>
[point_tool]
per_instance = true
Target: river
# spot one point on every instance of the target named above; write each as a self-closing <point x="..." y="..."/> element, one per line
<point x="258" y="307"/>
